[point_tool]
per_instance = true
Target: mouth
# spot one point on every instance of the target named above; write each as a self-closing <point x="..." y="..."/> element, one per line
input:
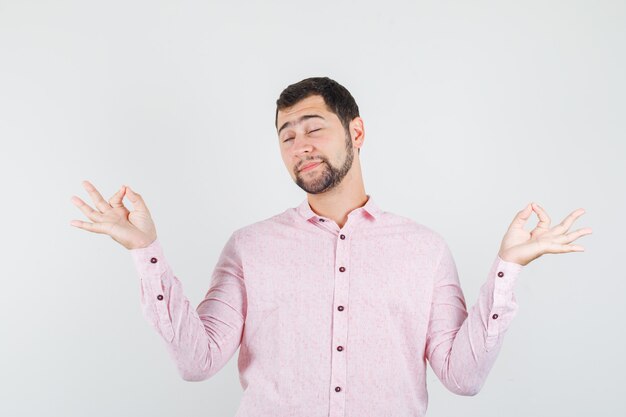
<point x="309" y="167"/>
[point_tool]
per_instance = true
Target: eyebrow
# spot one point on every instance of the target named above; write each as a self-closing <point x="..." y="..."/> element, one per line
<point x="300" y="120"/>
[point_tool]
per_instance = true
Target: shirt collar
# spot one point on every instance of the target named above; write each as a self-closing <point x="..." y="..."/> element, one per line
<point x="370" y="207"/>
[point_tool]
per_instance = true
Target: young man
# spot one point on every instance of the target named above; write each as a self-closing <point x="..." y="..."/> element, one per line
<point x="336" y="304"/>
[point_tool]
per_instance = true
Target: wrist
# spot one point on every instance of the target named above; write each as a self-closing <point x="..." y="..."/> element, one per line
<point x="507" y="257"/>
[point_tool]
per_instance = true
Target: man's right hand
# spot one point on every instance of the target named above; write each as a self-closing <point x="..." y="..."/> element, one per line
<point x="132" y="229"/>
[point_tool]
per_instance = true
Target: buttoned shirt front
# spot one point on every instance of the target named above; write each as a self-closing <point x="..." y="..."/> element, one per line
<point x="332" y="321"/>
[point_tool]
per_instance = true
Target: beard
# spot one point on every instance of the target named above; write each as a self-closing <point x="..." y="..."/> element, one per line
<point x="328" y="176"/>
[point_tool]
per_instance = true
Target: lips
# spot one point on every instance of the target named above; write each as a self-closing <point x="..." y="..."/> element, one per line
<point x="310" y="165"/>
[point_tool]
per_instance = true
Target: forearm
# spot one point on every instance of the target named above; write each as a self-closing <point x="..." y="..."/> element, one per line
<point x="196" y="343"/>
<point x="465" y="353"/>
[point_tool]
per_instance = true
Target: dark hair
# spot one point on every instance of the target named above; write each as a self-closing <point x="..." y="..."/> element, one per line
<point x="337" y="98"/>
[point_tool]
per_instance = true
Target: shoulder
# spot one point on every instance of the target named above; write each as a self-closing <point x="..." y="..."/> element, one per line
<point x="264" y="227"/>
<point x="412" y="229"/>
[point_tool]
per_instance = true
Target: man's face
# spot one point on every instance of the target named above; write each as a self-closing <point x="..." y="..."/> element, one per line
<point x="309" y="133"/>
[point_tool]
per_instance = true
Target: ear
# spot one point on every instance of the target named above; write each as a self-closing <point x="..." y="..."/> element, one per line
<point x="357" y="131"/>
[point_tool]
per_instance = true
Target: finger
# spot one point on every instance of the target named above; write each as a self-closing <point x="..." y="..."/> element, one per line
<point x="116" y="200"/>
<point x="567" y="222"/>
<point x="90" y="213"/>
<point x="544" y="219"/>
<point x="572" y="236"/>
<point x="136" y="200"/>
<point x="521" y="218"/>
<point x="91" y="227"/>
<point x="99" y="202"/>
<point x="560" y="248"/>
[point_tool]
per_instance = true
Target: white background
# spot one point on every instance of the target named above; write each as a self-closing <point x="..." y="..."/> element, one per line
<point x="471" y="110"/>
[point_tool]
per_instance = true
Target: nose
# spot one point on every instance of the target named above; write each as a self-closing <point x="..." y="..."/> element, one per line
<point x="301" y="144"/>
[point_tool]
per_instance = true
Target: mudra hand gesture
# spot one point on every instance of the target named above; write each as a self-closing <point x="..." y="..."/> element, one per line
<point x="132" y="229"/>
<point x="521" y="246"/>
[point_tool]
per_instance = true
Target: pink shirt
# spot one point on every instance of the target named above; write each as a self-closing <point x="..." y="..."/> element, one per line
<point x="332" y="322"/>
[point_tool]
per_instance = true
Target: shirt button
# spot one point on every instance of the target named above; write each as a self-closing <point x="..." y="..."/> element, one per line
<point x="341" y="269"/>
<point x="495" y="316"/>
<point x="159" y="297"/>
<point x="337" y="389"/>
<point x="322" y="220"/>
<point x="339" y="348"/>
<point x="500" y="274"/>
<point x="342" y="237"/>
<point x="153" y="260"/>
<point x="340" y="308"/>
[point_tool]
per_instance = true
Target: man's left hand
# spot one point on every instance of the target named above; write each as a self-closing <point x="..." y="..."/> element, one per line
<point x="522" y="247"/>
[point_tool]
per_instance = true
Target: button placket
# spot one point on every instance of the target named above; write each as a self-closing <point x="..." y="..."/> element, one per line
<point x="501" y="289"/>
<point x="157" y="288"/>
<point x="160" y="305"/>
<point x="502" y="300"/>
<point x="496" y="294"/>
<point x="340" y="324"/>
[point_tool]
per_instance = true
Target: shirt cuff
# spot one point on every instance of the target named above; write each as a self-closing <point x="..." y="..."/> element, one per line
<point x="149" y="260"/>
<point x="156" y="280"/>
<point x="506" y="274"/>
<point x="504" y="306"/>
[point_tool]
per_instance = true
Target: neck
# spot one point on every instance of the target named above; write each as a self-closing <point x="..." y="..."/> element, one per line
<point x="337" y="203"/>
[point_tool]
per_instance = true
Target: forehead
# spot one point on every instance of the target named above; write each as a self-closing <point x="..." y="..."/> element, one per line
<point x="312" y="104"/>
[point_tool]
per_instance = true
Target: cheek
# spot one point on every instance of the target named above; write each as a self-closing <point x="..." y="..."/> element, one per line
<point x="340" y="154"/>
<point x="287" y="160"/>
<point x="286" y="154"/>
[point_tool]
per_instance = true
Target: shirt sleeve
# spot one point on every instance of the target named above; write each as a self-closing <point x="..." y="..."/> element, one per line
<point x="462" y="347"/>
<point x="200" y="340"/>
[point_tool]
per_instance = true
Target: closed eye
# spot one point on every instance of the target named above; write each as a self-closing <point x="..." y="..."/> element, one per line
<point x="311" y="131"/>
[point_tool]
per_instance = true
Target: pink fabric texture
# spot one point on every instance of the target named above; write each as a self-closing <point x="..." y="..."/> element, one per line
<point x="329" y="321"/>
